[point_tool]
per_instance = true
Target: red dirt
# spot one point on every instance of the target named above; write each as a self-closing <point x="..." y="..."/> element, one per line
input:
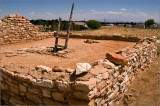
<point x="83" y="52"/>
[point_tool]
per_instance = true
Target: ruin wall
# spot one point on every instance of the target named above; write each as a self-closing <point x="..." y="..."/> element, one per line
<point x="118" y="37"/>
<point x="105" y="83"/>
<point x="16" y="28"/>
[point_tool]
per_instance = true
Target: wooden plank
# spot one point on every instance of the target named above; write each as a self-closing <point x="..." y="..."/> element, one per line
<point x="69" y="25"/>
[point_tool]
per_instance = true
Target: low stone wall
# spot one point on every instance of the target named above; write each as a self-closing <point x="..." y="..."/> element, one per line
<point x="16" y="28"/>
<point x="118" y="37"/>
<point x="105" y="83"/>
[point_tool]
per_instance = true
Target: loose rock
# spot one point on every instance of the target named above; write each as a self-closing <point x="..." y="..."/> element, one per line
<point x="82" y="67"/>
<point x="116" y="58"/>
<point x="58" y="69"/>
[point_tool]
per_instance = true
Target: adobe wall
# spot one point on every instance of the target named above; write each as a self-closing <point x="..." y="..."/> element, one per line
<point x="105" y="83"/>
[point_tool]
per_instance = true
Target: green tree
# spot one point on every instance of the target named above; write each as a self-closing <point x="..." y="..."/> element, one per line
<point x="54" y="25"/>
<point x="65" y="25"/>
<point x="44" y="23"/>
<point x="93" y="24"/>
<point x="149" y="22"/>
<point x="47" y="23"/>
<point x="83" y="27"/>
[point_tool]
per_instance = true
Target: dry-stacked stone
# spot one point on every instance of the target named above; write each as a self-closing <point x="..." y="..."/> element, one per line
<point x="16" y="28"/>
<point x="104" y="84"/>
<point x="118" y="37"/>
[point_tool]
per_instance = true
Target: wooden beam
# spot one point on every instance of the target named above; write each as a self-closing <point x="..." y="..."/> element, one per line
<point x="69" y="26"/>
<point x="58" y="30"/>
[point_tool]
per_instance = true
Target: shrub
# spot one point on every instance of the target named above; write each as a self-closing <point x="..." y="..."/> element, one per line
<point x="149" y="22"/>
<point x="83" y="27"/>
<point x="93" y="24"/>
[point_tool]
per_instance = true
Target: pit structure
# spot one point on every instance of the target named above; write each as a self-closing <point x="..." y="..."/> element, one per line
<point x="36" y="78"/>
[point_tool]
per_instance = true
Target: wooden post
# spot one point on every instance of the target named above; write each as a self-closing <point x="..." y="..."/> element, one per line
<point x="69" y="25"/>
<point x="58" y="29"/>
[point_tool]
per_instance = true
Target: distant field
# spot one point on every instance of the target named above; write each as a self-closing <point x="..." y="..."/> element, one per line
<point x="123" y="31"/>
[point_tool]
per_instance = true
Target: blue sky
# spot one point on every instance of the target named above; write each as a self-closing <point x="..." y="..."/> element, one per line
<point x="110" y="10"/>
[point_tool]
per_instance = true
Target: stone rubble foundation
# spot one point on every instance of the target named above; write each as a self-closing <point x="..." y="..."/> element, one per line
<point x="104" y="84"/>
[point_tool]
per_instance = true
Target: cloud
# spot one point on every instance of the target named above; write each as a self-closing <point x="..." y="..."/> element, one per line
<point x="32" y="13"/>
<point x="103" y="12"/>
<point x="123" y="9"/>
<point x="97" y="15"/>
<point x="122" y="16"/>
<point x="114" y="13"/>
<point x="0" y="10"/>
<point x="92" y="10"/>
<point x="142" y="13"/>
<point x="78" y="10"/>
<point x="49" y="14"/>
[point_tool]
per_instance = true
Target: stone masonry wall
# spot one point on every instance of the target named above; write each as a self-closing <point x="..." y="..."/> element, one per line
<point x="105" y="83"/>
<point x="16" y="28"/>
<point x="118" y="37"/>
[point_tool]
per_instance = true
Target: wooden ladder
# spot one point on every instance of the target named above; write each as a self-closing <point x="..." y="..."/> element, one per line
<point x="61" y="47"/>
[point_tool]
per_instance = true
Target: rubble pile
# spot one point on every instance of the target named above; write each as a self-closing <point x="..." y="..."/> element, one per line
<point x="16" y="28"/>
<point x="89" y="41"/>
<point x="104" y="83"/>
<point x="49" y="51"/>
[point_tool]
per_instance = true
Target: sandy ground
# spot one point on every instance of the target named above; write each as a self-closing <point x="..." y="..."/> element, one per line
<point x="83" y="52"/>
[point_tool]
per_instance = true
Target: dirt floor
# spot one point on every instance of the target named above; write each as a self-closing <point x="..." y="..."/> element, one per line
<point x="145" y="89"/>
<point x="83" y="52"/>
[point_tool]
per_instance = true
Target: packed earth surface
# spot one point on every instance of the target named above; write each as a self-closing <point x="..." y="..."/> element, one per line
<point x="83" y="52"/>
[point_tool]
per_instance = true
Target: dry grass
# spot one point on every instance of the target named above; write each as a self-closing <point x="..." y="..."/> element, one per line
<point x="123" y="31"/>
<point x="145" y="88"/>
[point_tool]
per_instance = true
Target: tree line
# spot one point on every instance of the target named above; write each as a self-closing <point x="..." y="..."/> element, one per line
<point x="92" y="24"/>
<point x="53" y="24"/>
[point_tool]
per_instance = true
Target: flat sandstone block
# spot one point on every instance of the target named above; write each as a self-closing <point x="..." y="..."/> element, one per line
<point x="85" y="85"/>
<point x="116" y="58"/>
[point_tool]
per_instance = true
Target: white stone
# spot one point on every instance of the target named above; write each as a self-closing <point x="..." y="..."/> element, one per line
<point x="82" y="67"/>
<point x="43" y="83"/>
